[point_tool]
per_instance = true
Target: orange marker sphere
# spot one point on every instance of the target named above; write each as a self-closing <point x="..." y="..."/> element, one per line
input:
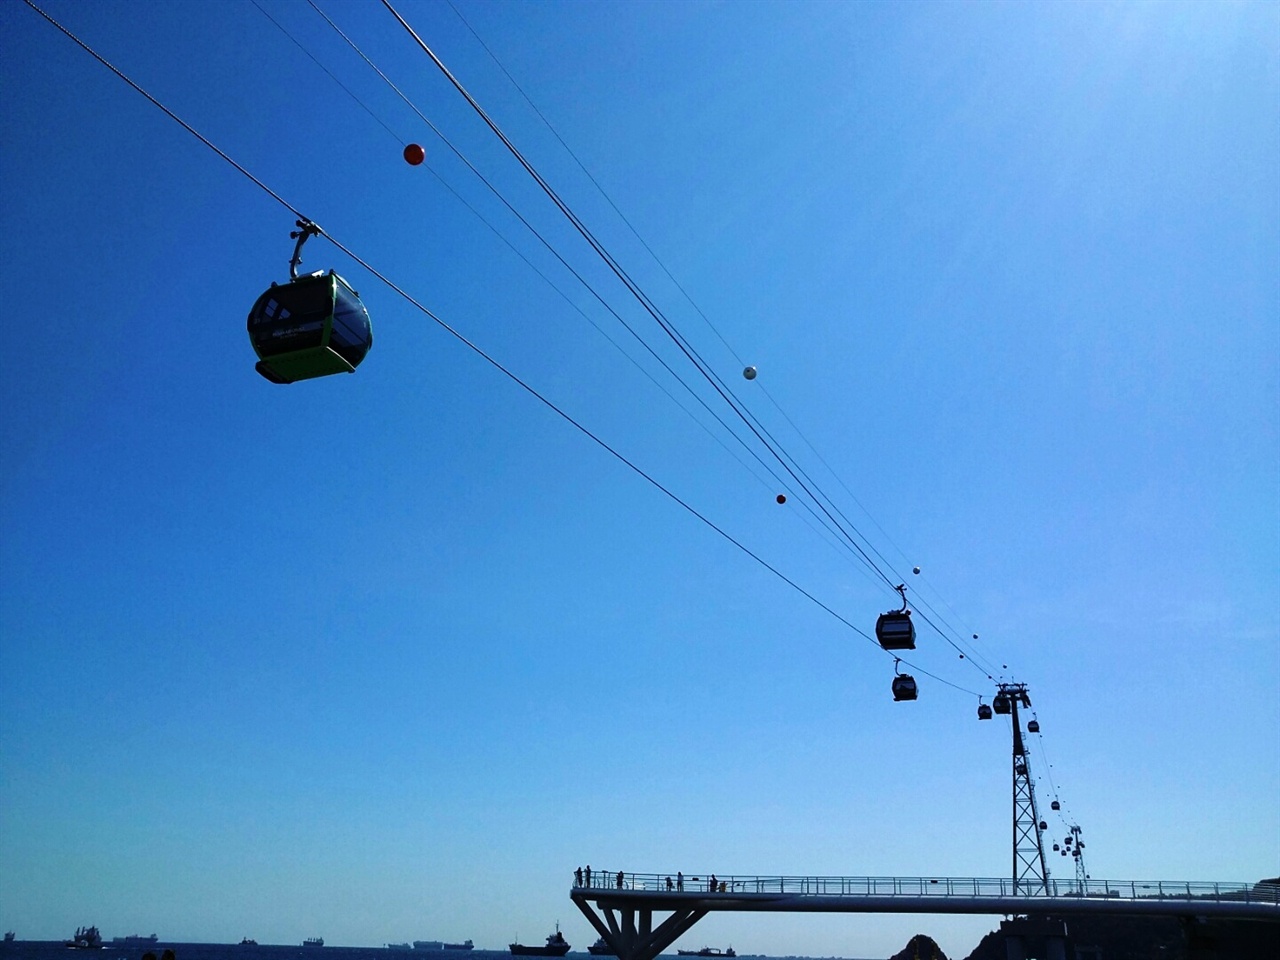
<point x="414" y="154"/>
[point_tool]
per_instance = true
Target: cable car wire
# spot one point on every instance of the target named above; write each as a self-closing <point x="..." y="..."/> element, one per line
<point x="690" y="352"/>
<point x="581" y="166"/>
<point x="830" y="523"/>
<point x="973" y="655"/>
<point x="469" y="344"/>
<point x="172" y="116"/>
<point x="479" y="351"/>
<point x="400" y="140"/>
<point x="501" y="236"/>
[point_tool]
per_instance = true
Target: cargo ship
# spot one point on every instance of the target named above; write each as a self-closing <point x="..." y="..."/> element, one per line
<point x="86" y="938"/>
<point x="556" y="946"/>
<point x="708" y="952"/>
<point x="313" y="942"/>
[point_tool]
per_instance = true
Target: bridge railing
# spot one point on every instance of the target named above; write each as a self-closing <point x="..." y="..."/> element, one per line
<point x="993" y="887"/>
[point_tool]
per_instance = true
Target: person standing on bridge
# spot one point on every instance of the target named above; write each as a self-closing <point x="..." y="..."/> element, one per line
<point x="669" y="884"/>
<point x="577" y="877"/>
<point x="680" y="881"/>
<point x="619" y="879"/>
<point x="712" y="885"/>
<point x="587" y="874"/>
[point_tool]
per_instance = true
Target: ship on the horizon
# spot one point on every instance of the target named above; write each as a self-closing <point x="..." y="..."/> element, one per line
<point x="399" y="946"/>
<point x="601" y="949"/>
<point x="556" y="946"/>
<point x="708" y="952"/>
<point x="134" y="938"/>
<point x="10" y="936"/>
<point x="248" y="942"/>
<point x="86" y="938"/>
<point x="428" y="944"/>
<point x="464" y="945"/>
<point x="313" y="942"/>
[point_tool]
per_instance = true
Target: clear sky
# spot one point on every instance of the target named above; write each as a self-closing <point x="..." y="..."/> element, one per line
<point x="385" y="656"/>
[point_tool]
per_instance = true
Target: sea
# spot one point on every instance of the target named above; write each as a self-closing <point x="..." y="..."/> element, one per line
<point x="57" y="950"/>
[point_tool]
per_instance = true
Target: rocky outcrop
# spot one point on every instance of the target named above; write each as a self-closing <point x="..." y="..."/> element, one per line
<point x="920" y="947"/>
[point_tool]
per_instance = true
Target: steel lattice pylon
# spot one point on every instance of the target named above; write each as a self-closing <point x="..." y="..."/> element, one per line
<point x="1030" y="871"/>
<point x="1077" y="854"/>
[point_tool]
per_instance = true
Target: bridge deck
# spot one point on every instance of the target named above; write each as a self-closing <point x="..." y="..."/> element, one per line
<point x="624" y="903"/>
<point x="733" y="887"/>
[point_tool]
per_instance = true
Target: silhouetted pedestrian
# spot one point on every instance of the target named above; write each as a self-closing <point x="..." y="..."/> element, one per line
<point x="619" y="879"/>
<point x="712" y="885"/>
<point x="669" y="883"/>
<point x="679" y="881"/>
<point x="587" y="874"/>
<point x="577" y="877"/>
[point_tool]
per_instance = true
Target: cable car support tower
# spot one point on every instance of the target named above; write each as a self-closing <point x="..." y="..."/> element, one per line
<point x="1030" y="871"/>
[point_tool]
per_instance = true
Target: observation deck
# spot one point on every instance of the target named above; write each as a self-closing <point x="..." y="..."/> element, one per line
<point x="624" y="903"/>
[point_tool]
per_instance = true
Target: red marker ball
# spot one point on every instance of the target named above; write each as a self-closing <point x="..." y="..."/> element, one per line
<point x="414" y="154"/>
<point x="782" y="498"/>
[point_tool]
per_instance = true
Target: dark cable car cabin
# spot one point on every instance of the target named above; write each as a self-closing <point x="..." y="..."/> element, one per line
<point x="894" y="629"/>
<point x="984" y="712"/>
<point x="310" y="327"/>
<point x="1055" y="805"/>
<point x="1002" y="703"/>
<point x="1043" y="825"/>
<point x="904" y="687"/>
<point x="1033" y="726"/>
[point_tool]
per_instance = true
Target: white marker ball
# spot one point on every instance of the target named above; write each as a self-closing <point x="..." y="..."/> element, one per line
<point x="749" y="373"/>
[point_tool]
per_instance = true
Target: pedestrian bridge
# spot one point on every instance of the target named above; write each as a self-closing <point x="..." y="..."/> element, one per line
<point x="620" y="906"/>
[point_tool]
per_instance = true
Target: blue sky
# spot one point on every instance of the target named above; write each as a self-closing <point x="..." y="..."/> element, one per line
<point x="343" y="657"/>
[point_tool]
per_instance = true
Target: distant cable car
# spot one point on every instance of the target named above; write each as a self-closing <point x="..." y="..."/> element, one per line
<point x="1055" y="805"/>
<point x="1043" y="825"/>
<point x="894" y="629"/>
<point x="312" y="326"/>
<point x="1056" y="848"/>
<point x="904" y="685"/>
<point x="1002" y="703"/>
<point x="984" y="712"/>
<point x="1033" y="726"/>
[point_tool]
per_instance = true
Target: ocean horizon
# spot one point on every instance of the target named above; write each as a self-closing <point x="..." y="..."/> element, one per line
<point x="186" y="950"/>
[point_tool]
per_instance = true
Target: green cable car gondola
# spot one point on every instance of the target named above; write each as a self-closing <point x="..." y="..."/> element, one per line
<point x="312" y="326"/>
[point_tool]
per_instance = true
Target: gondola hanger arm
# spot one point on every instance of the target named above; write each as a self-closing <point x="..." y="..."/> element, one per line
<point x="306" y="229"/>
